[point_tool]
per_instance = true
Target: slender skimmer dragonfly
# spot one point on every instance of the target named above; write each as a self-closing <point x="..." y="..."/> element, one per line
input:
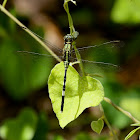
<point x="68" y="50"/>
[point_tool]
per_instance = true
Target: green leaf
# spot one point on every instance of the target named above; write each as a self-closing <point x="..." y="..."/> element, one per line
<point x="81" y="93"/>
<point x="97" y="126"/>
<point x="21" y="128"/>
<point x="131" y="133"/>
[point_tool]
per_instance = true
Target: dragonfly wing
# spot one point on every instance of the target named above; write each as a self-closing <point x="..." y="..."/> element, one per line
<point x="101" y="49"/>
<point x="35" y="55"/>
<point x="98" y="68"/>
<point x="48" y="44"/>
<point x="102" y="57"/>
<point x="107" y="67"/>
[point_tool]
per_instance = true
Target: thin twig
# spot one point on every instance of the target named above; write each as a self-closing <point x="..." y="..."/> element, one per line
<point x="108" y="124"/>
<point x="121" y="110"/>
<point x="4" y="3"/>
<point x="29" y="32"/>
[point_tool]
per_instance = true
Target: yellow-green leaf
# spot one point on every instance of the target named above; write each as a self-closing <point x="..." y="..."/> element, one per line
<point x="97" y="126"/>
<point x="81" y="93"/>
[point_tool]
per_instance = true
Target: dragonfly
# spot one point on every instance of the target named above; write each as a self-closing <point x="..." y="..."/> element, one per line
<point x="67" y="52"/>
<point x="68" y="40"/>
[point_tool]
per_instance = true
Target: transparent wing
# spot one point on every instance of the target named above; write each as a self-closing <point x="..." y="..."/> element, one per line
<point x="98" y="67"/>
<point x="114" y="43"/>
<point x="100" y="49"/>
<point x="36" y="55"/>
<point x="49" y="44"/>
<point x="103" y="58"/>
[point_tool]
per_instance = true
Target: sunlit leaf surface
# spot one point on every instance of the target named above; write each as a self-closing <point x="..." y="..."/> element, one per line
<point x="81" y="93"/>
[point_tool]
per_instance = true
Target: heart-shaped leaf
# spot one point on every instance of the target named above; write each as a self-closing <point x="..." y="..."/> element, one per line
<point x="81" y="93"/>
<point x="97" y="126"/>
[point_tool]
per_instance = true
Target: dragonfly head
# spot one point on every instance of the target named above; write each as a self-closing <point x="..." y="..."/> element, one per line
<point x="68" y="38"/>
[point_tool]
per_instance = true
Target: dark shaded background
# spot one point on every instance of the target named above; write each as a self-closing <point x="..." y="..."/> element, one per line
<point x="23" y="78"/>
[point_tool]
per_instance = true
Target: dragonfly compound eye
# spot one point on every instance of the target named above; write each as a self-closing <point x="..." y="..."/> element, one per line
<point x="68" y="38"/>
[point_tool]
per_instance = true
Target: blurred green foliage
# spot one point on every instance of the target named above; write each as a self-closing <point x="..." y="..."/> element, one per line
<point x="21" y="128"/>
<point x="57" y="137"/>
<point x="132" y="105"/>
<point x="23" y="75"/>
<point x="126" y="11"/>
<point x="26" y="126"/>
<point x="42" y="127"/>
<point x="17" y="70"/>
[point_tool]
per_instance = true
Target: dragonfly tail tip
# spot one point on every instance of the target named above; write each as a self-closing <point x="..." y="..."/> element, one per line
<point x="62" y="103"/>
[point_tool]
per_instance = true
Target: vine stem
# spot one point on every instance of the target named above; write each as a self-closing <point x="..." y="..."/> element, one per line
<point x="72" y="31"/>
<point x="80" y="60"/>
<point x="121" y="110"/>
<point x="4" y="3"/>
<point x="107" y="123"/>
<point x="29" y="32"/>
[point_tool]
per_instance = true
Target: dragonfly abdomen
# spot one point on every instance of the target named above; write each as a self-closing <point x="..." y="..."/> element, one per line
<point x="63" y="91"/>
<point x="66" y="65"/>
